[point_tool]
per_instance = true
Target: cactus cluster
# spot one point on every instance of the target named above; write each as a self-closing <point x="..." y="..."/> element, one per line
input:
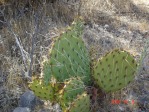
<point x="70" y="65"/>
<point x="70" y="95"/>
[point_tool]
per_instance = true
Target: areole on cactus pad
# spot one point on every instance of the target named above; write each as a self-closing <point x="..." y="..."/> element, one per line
<point x="115" y="70"/>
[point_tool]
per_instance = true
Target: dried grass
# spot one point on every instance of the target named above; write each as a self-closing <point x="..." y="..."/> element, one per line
<point x="117" y="12"/>
<point x="16" y="61"/>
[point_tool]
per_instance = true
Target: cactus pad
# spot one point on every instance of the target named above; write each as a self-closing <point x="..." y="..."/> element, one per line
<point x="42" y="91"/>
<point x="68" y="57"/>
<point x="71" y="90"/>
<point x="81" y="104"/>
<point x="115" y="70"/>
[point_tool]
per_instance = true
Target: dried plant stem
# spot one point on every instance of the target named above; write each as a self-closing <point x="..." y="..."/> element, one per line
<point x="143" y="56"/>
<point x="33" y="42"/>
<point x="21" y="49"/>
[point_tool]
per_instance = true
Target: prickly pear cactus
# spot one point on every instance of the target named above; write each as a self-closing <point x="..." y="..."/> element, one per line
<point x="73" y="87"/>
<point x="68" y="57"/>
<point x="81" y="104"/>
<point x="115" y="70"/>
<point x="46" y="92"/>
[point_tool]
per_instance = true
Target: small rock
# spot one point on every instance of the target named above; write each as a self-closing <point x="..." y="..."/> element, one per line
<point x="143" y="102"/>
<point x="1" y="76"/>
<point x="21" y="109"/>
<point x="143" y="99"/>
<point x="44" y="110"/>
<point x="146" y="85"/>
<point x="57" y="108"/>
<point x="117" y="33"/>
<point x="28" y="99"/>
<point x="106" y="26"/>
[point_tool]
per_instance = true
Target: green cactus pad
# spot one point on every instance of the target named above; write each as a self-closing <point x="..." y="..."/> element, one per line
<point x="115" y="70"/>
<point x="42" y="91"/>
<point x="68" y="57"/>
<point x="71" y="90"/>
<point x="81" y="104"/>
<point x="47" y="72"/>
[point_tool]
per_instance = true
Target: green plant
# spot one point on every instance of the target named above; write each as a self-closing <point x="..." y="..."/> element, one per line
<point x="115" y="70"/>
<point x="68" y="57"/>
<point x="70" y="65"/>
<point x="80" y="104"/>
<point x="41" y="90"/>
<point x="73" y="87"/>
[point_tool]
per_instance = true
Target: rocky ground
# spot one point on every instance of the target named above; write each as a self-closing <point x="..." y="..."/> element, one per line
<point x="124" y="32"/>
